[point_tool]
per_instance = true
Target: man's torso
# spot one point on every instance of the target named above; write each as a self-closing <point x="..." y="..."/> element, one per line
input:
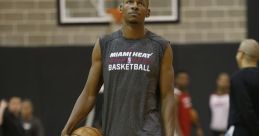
<point x="131" y="85"/>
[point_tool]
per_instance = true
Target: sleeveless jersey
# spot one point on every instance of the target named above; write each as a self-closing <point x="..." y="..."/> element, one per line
<point x="131" y="71"/>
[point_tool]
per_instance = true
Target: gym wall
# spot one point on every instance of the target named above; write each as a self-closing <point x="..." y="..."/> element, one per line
<point x="253" y="19"/>
<point x="34" y="23"/>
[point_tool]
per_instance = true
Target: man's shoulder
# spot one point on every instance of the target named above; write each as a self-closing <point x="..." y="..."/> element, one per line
<point x="240" y="73"/>
<point x="245" y="75"/>
<point x="237" y="74"/>
<point x="240" y="76"/>
<point x="177" y="92"/>
<point x="110" y="36"/>
<point x="157" y="38"/>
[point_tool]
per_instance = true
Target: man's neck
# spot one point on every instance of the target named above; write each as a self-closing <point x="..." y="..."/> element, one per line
<point x="27" y="118"/>
<point x="182" y="89"/>
<point x="221" y="91"/>
<point x="134" y="31"/>
<point x="15" y="114"/>
<point x="248" y="65"/>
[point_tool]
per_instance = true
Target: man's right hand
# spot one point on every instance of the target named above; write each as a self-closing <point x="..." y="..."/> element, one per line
<point x="64" y="133"/>
<point x="86" y="101"/>
<point x="3" y="104"/>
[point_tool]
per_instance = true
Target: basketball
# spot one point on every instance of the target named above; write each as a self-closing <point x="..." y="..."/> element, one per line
<point x="86" y="131"/>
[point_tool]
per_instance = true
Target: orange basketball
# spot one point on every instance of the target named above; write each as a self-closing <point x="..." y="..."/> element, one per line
<point x="86" y="131"/>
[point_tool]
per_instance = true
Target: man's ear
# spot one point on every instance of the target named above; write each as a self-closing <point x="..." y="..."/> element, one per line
<point x="242" y="55"/>
<point x="120" y="8"/>
<point x="148" y="13"/>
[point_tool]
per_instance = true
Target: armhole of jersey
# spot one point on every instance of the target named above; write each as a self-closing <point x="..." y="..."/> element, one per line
<point x="167" y="45"/>
<point x="101" y="44"/>
<point x="163" y="43"/>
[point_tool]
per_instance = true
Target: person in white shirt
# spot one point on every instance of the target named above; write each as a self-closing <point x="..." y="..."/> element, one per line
<point x="219" y="105"/>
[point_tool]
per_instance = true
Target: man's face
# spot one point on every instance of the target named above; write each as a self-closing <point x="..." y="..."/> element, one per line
<point x="15" y="105"/>
<point x="135" y="11"/>
<point x="182" y="81"/>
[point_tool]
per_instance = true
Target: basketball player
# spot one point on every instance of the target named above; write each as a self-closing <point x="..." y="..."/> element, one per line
<point x="244" y="94"/>
<point x="187" y="115"/>
<point x="135" y="66"/>
<point x="219" y="106"/>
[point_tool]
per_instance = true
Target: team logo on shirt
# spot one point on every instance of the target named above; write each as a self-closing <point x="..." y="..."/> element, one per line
<point x="129" y="61"/>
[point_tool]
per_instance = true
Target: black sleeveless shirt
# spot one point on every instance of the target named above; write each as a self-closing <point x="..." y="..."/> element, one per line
<point x="131" y="72"/>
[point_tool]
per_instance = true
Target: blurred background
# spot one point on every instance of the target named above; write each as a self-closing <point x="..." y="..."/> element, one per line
<point x="46" y="59"/>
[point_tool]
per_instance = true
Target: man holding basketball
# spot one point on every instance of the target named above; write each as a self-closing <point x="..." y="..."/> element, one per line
<point x="135" y="66"/>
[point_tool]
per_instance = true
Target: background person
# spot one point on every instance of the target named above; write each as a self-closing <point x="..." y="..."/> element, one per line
<point x="31" y="124"/>
<point x="244" y="94"/>
<point x="10" y="117"/>
<point x="187" y="115"/>
<point x="219" y="106"/>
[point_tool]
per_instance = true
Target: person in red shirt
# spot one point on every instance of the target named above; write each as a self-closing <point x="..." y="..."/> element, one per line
<point x="187" y="115"/>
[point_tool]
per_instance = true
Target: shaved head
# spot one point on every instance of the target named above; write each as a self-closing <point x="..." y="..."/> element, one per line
<point x="250" y="47"/>
<point x="147" y="2"/>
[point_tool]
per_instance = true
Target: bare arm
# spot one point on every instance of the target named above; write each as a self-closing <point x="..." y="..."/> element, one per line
<point x="87" y="98"/>
<point x="3" y="106"/>
<point x="196" y="122"/>
<point x="177" y="124"/>
<point x="167" y="94"/>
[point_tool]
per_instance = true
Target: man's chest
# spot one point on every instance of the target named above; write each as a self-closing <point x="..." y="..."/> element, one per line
<point x="131" y="57"/>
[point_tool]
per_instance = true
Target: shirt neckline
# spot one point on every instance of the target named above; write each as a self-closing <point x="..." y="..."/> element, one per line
<point x="134" y="40"/>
